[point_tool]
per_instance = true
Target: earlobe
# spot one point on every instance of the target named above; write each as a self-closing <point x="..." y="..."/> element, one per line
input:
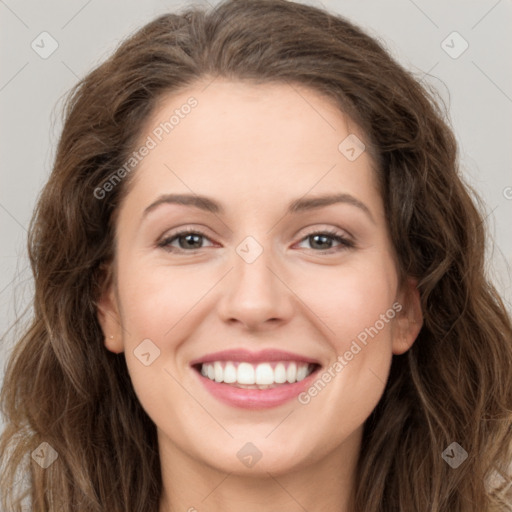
<point x="113" y="344"/>
<point x="409" y="320"/>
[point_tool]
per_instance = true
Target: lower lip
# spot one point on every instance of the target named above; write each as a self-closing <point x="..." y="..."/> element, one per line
<point x="256" y="398"/>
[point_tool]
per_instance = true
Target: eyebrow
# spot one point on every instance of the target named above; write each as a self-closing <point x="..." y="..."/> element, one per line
<point x="297" y="206"/>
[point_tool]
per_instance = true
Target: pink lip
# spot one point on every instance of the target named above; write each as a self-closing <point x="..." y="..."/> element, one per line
<point x="256" y="398"/>
<point x="239" y="355"/>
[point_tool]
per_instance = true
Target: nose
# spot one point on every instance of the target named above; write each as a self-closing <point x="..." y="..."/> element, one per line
<point x="255" y="295"/>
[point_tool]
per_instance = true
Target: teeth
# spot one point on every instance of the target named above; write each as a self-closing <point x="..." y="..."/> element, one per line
<point x="245" y="374"/>
<point x="291" y="373"/>
<point x="262" y="375"/>
<point x="302" y="373"/>
<point x="280" y="373"/>
<point x="217" y="370"/>
<point x="229" y="373"/>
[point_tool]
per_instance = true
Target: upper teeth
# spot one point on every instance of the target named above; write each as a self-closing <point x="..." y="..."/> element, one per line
<point x="261" y="374"/>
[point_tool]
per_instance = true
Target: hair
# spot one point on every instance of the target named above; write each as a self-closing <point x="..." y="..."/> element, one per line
<point x="63" y="387"/>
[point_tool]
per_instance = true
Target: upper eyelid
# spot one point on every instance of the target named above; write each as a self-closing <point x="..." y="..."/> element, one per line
<point x="306" y="232"/>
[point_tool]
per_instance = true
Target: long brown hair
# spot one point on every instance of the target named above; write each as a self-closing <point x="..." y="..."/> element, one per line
<point x="62" y="386"/>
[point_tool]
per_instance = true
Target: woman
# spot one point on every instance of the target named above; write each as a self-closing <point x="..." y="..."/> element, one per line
<point x="259" y="283"/>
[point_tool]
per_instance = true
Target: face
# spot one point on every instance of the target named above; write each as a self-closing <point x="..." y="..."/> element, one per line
<point x="259" y="282"/>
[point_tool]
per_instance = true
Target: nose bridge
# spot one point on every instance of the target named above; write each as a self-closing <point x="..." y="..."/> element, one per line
<point x="253" y="279"/>
<point x="253" y="292"/>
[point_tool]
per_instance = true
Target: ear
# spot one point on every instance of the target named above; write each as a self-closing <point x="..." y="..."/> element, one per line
<point x="107" y="311"/>
<point x="409" y="319"/>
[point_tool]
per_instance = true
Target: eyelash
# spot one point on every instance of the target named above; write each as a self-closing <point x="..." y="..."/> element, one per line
<point x="345" y="243"/>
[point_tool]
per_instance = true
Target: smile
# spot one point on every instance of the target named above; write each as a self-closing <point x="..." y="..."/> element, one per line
<point x="256" y="376"/>
<point x="268" y="378"/>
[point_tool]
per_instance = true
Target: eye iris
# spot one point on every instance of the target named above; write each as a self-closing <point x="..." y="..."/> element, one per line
<point x="190" y="239"/>
<point x="324" y="239"/>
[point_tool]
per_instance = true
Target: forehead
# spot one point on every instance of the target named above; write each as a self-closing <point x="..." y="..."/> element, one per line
<point x="247" y="140"/>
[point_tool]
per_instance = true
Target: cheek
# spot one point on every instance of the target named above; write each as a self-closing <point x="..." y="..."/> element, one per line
<point x="350" y="300"/>
<point x="155" y="312"/>
<point x="157" y="307"/>
<point x="357" y="306"/>
<point x="155" y="300"/>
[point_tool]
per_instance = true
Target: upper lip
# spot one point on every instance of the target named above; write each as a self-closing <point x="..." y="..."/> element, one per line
<point x="243" y="355"/>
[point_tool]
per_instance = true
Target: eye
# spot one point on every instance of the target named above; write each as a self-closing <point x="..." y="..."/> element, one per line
<point x="188" y="240"/>
<point x="191" y="240"/>
<point x="323" y="240"/>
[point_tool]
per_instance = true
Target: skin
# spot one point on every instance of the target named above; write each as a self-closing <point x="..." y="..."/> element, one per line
<point x="254" y="149"/>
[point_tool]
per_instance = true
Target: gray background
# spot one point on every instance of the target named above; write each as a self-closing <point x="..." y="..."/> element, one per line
<point x="477" y="86"/>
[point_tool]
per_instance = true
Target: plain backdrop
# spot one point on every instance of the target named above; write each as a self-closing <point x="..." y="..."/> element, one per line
<point x="476" y="83"/>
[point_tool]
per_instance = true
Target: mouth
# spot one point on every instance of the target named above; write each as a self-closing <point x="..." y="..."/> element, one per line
<point x="255" y="380"/>
<point x="266" y="375"/>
